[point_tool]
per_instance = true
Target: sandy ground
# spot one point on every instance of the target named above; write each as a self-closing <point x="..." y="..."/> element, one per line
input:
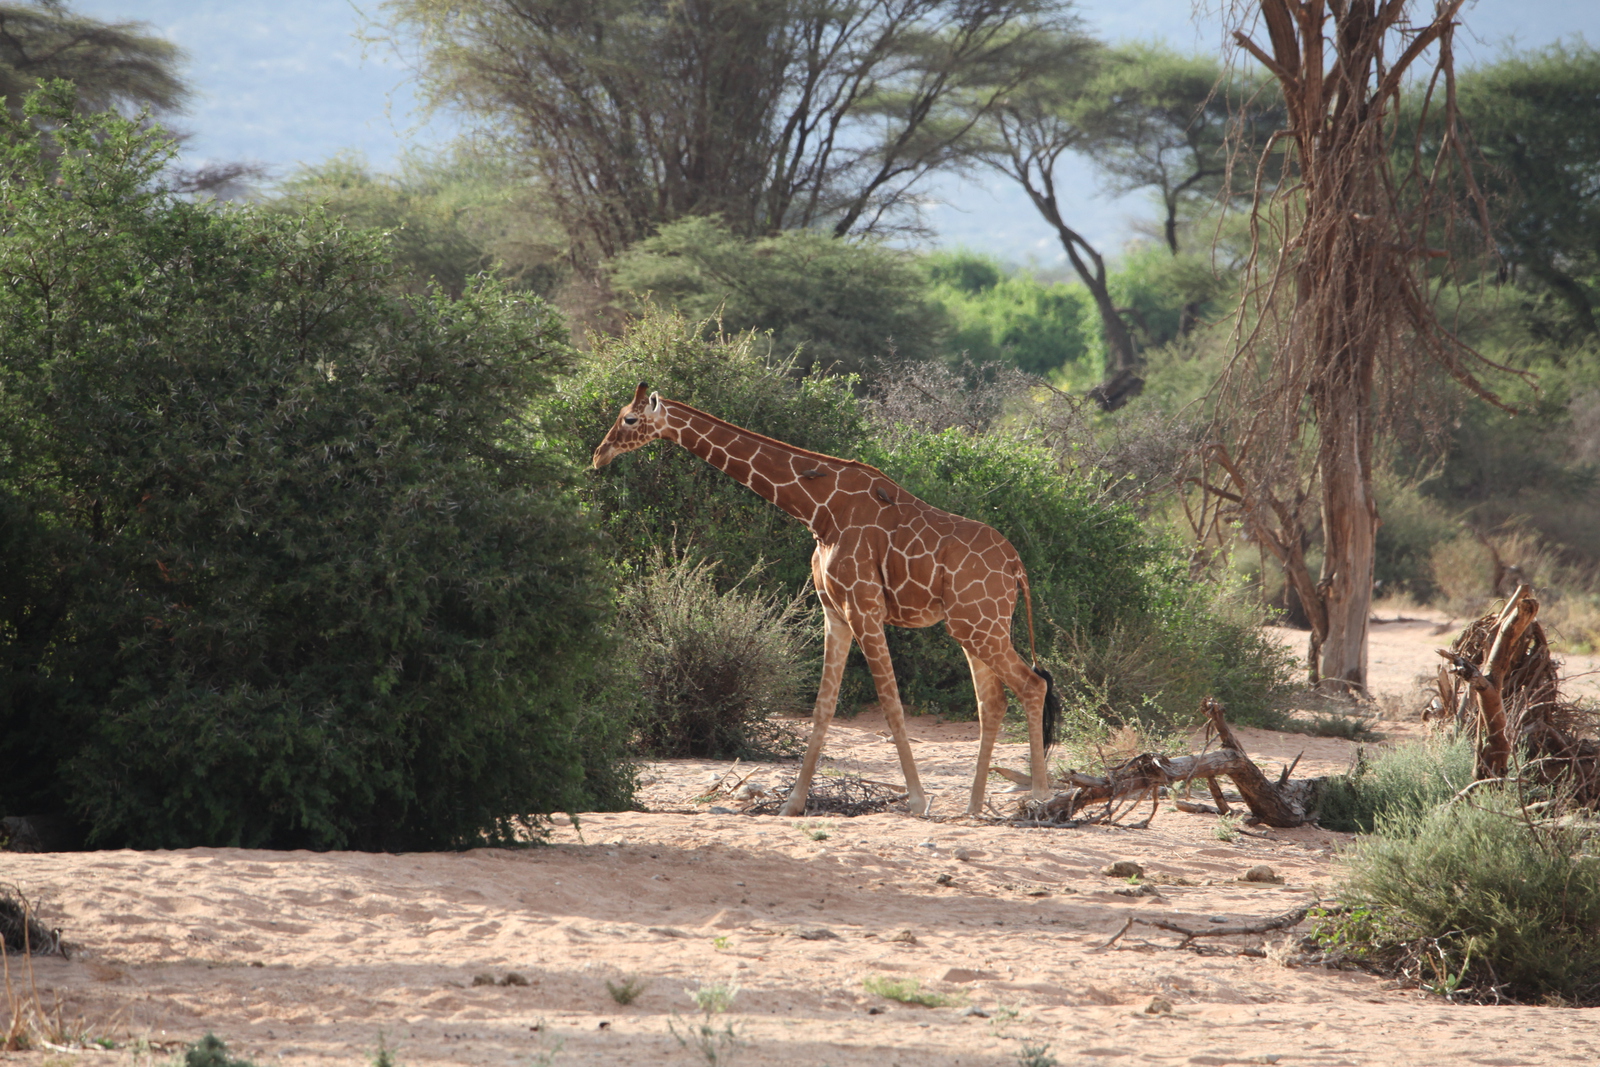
<point x="313" y="958"/>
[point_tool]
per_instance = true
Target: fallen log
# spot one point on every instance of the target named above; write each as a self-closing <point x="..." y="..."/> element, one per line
<point x="1282" y="804"/>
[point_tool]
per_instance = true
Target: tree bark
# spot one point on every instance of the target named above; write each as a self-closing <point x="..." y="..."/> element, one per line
<point x="1350" y="534"/>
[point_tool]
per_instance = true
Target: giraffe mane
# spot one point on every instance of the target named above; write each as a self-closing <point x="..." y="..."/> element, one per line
<point x="784" y="445"/>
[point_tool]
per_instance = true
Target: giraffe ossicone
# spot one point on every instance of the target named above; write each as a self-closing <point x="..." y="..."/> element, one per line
<point x="883" y="557"/>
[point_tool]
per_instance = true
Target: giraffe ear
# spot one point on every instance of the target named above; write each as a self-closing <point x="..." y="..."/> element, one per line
<point x="638" y="394"/>
<point x="655" y="402"/>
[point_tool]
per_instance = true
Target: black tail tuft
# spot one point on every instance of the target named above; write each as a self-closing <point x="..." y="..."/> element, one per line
<point x="1052" y="709"/>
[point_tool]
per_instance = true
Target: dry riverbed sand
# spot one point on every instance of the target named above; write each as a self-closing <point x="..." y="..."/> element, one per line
<point x="504" y="956"/>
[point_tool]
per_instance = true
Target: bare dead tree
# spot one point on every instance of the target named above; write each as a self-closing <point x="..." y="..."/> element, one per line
<point x="1339" y="319"/>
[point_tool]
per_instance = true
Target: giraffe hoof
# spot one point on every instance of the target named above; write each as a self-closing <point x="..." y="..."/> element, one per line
<point x="920" y="805"/>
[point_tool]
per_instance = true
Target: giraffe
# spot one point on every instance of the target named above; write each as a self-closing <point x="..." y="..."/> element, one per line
<point x="882" y="557"/>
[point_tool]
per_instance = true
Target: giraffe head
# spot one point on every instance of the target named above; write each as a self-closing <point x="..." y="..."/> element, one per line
<point x="640" y="422"/>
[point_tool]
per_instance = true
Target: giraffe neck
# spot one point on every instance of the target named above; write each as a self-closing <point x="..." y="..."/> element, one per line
<point x="794" y="479"/>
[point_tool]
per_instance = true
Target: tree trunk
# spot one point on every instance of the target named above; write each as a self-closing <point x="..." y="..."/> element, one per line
<point x="1121" y="380"/>
<point x="1349" y="531"/>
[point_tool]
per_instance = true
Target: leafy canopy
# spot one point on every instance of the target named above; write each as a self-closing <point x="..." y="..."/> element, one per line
<point x="774" y="116"/>
<point x="839" y="305"/>
<point x="113" y="64"/>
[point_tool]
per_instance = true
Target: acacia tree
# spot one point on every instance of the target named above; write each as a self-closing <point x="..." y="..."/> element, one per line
<point x="772" y="115"/>
<point x="1159" y="120"/>
<point x="112" y="64"/>
<point x="1024" y="138"/>
<point x="1148" y="118"/>
<point x="1342" y="303"/>
<point x="1535" y="119"/>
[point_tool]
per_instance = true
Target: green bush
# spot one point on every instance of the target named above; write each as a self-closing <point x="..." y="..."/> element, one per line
<point x="664" y="494"/>
<point x="1163" y="296"/>
<point x="1153" y="670"/>
<point x="289" y="570"/>
<point x="447" y="218"/>
<point x="1476" y="899"/>
<point x="1038" y="327"/>
<point x="715" y="667"/>
<point x="211" y="1051"/>
<point x="1405" y="780"/>
<point x="1414" y="525"/>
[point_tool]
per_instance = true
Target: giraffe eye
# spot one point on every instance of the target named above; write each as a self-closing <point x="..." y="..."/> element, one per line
<point x="630" y="419"/>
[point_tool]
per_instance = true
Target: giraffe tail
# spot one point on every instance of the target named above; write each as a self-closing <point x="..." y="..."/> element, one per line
<point x="1052" y="709"/>
<point x="1052" y="699"/>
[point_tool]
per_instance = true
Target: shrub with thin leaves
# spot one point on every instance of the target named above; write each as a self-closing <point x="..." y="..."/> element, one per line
<point x="1406" y="780"/>
<point x="1483" y="899"/>
<point x="715" y="667"/>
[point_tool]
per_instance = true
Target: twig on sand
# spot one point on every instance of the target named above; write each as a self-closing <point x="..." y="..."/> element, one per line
<point x="1288" y="920"/>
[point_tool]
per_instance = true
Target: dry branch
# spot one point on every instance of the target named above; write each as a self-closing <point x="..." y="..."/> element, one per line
<point x="1281" y="804"/>
<point x="1287" y="921"/>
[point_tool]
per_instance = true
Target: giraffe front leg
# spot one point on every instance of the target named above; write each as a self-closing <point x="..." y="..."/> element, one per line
<point x="835" y="650"/>
<point x="876" y="648"/>
<point x="991" y="713"/>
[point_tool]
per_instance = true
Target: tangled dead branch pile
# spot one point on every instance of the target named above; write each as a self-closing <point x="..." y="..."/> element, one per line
<point x="1501" y="681"/>
<point x="1282" y="803"/>
<point x="20" y="929"/>
<point x="844" y="795"/>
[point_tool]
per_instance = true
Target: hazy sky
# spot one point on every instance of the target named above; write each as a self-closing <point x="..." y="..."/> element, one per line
<point x="288" y="82"/>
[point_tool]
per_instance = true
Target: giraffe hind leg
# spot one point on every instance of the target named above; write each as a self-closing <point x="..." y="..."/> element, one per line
<point x="1032" y="689"/>
<point x="991" y="696"/>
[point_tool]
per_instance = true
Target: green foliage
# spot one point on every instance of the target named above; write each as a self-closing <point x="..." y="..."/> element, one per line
<point x="663" y="494"/>
<point x="1400" y="782"/>
<point x="288" y="571"/>
<point x="1036" y="1054"/>
<point x="1476" y="899"/>
<point x="1152" y="670"/>
<point x="1414" y="524"/>
<point x="839" y="305"/>
<point x="113" y="65"/>
<point x="627" y="991"/>
<point x="449" y="218"/>
<point x="211" y="1051"/>
<point x="1164" y="296"/>
<point x="1040" y="328"/>
<point x="1532" y="115"/>
<point x="814" y="116"/>
<point x="714" y="667"/>
<point x="908" y="991"/>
